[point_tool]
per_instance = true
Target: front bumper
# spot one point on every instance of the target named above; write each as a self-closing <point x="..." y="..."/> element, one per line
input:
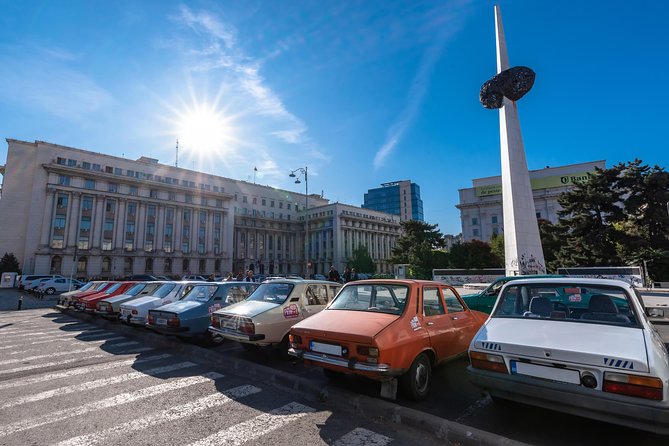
<point x="383" y="370"/>
<point x="237" y="336"/>
<point x="107" y="314"/>
<point x="574" y="399"/>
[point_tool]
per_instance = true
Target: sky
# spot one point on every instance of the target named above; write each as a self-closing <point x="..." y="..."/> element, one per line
<point x="359" y="92"/>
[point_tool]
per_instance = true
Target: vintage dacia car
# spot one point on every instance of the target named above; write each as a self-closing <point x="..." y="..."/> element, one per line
<point x="189" y="317"/>
<point x="386" y="328"/>
<point x="265" y="318"/>
<point x="110" y="307"/>
<point x="136" y="311"/>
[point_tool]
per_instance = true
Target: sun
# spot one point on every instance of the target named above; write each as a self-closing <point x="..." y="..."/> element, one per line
<point x="205" y="131"/>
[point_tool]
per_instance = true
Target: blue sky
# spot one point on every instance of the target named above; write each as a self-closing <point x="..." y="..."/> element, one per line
<point x="361" y="92"/>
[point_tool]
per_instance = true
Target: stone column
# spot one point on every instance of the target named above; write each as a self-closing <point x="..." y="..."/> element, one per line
<point x="73" y="220"/>
<point x="47" y="217"/>
<point x="98" y="221"/>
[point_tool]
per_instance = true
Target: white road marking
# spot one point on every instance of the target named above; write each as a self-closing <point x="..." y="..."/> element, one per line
<point x="32" y="358"/>
<point x="362" y="437"/>
<point x="82" y="371"/>
<point x="117" y="338"/>
<point x="50" y="364"/>
<point x="56" y="334"/>
<point x="256" y="427"/>
<point x="76" y="343"/>
<point x="97" y="383"/>
<point x="117" y="400"/>
<point x="171" y="414"/>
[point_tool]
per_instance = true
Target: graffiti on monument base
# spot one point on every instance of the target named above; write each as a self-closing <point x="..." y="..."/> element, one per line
<point x="528" y="265"/>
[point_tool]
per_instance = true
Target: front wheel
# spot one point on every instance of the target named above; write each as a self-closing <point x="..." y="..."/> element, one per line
<point x="50" y="291"/>
<point x="416" y="382"/>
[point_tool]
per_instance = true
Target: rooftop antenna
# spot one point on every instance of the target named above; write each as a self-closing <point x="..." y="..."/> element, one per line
<point x="176" y="162"/>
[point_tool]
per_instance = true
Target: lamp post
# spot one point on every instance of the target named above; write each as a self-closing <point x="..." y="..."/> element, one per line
<point x="304" y="171"/>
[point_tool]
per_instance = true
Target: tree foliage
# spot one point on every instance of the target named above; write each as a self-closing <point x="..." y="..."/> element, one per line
<point x="415" y="247"/>
<point x="9" y="264"/>
<point x="361" y="260"/>
<point x="474" y="255"/>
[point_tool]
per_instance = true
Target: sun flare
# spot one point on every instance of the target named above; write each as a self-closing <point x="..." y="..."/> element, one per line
<point x="205" y="131"/>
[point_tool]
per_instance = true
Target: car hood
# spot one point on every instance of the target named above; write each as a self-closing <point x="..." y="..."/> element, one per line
<point x="141" y="301"/>
<point x="582" y="343"/>
<point x="181" y="307"/>
<point x="357" y="326"/>
<point x="119" y="298"/>
<point x="248" y="308"/>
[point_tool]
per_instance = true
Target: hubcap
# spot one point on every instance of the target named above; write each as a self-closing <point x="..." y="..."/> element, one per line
<point x="421" y="377"/>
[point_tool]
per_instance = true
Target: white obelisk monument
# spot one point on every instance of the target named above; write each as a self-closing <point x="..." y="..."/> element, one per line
<point x="522" y="245"/>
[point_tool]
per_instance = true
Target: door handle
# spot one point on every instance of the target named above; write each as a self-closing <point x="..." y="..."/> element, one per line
<point x="430" y="323"/>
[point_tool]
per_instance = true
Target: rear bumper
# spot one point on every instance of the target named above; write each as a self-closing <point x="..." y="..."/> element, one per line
<point x="181" y="331"/>
<point x="107" y="314"/>
<point x="574" y="399"/>
<point x="237" y="336"/>
<point x="382" y="370"/>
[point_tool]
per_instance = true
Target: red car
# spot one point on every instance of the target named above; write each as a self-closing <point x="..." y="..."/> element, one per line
<point x="73" y="301"/>
<point x="89" y="303"/>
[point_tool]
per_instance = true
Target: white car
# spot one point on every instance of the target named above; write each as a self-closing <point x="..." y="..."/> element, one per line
<point x="58" y="285"/>
<point x="25" y="280"/>
<point x="581" y="346"/>
<point x="264" y="319"/>
<point x="110" y="307"/>
<point x="136" y="311"/>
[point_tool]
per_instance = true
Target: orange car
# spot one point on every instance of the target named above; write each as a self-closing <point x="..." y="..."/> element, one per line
<point x="384" y="329"/>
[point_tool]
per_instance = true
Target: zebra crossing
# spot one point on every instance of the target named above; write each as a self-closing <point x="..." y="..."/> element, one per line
<point x="71" y="392"/>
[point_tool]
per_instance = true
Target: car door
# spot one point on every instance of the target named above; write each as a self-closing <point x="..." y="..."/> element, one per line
<point x="463" y="321"/>
<point x="438" y="323"/>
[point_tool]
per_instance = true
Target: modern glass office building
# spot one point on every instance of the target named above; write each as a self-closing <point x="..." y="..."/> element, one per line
<point x="399" y="198"/>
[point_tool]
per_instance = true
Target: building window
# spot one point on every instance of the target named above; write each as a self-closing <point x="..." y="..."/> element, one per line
<point x="133" y="190"/>
<point x="255" y="200"/>
<point x="186" y="265"/>
<point x="61" y="161"/>
<point x="148" y="265"/>
<point x="244" y="199"/>
<point x="189" y="198"/>
<point x="476" y="232"/>
<point x="494" y="219"/>
<point x="288" y="206"/>
<point x="57" y="242"/>
<point x="280" y="204"/>
<point x="118" y="171"/>
<point x="56" y="264"/>
<point x="167" y="266"/>
<point x="106" y="264"/>
<point x="475" y="221"/>
<point x="82" y="243"/>
<point x="127" y="265"/>
<point x="86" y="165"/>
<point x="59" y="222"/>
<point x="82" y="265"/>
<point x="538" y="214"/>
<point x="171" y="196"/>
<point x="112" y="187"/>
<point x="271" y="204"/>
<point x="72" y="163"/>
<point x="203" y="266"/>
<point x="64" y="180"/>
<point x="219" y="203"/>
<point x="264" y="202"/>
<point x="153" y="193"/>
<point x="96" y="167"/>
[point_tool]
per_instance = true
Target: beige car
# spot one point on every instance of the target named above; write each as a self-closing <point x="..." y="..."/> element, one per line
<point x="265" y="317"/>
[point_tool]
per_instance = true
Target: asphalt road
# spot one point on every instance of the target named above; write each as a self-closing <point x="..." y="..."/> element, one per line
<point x="66" y="382"/>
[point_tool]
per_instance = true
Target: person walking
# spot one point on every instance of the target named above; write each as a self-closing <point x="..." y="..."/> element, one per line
<point x="347" y="274"/>
<point x="333" y="275"/>
<point x="210" y="278"/>
<point x="354" y="275"/>
<point x="249" y="276"/>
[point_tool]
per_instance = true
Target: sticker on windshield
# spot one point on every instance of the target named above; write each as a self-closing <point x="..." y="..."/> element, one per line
<point x="415" y="323"/>
<point x="575" y="298"/>
<point x="291" y="311"/>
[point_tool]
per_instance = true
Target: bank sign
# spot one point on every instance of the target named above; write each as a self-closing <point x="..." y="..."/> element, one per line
<point x="537" y="183"/>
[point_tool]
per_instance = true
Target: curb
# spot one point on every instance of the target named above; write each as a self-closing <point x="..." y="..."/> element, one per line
<point x="357" y="405"/>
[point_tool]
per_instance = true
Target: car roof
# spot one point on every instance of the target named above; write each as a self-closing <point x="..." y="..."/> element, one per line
<point x="573" y="281"/>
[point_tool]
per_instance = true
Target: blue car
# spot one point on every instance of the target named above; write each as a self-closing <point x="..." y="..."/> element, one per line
<point x="189" y="317"/>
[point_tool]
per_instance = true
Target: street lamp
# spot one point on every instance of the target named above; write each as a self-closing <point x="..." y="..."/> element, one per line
<point x="304" y="171"/>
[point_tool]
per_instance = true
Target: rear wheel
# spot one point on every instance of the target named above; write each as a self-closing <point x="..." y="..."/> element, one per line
<point x="50" y="291"/>
<point x="416" y="382"/>
<point x="282" y="348"/>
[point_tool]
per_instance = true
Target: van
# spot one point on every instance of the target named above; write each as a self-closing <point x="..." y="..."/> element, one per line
<point x="25" y="280"/>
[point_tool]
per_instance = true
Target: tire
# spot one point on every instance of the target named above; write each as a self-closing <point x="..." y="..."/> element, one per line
<point x="416" y="382"/>
<point x="50" y="291"/>
<point x="282" y="348"/>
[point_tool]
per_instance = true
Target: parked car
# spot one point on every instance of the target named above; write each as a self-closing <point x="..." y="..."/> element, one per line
<point x="58" y="285"/>
<point x="70" y="299"/>
<point x="31" y="287"/>
<point x="194" y="277"/>
<point x="136" y="311"/>
<point x="386" y="328"/>
<point x="189" y="317"/>
<point x="141" y="278"/>
<point x="581" y="346"/>
<point x="30" y="277"/>
<point x="265" y="318"/>
<point x="485" y="300"/>
<point x="109" y="308"/>
<point x="89" y="303"/>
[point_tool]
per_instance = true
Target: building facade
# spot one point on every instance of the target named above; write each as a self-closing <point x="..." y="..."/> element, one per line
<point x="480" y="206"/>
<point x="398" y="198"/>
<point x="119" y="217"/>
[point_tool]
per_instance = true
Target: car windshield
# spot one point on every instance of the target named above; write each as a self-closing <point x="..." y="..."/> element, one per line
<point x="100" y="286"/>
<point x="578" y="302"/>
<point x="380" y="298"/>
<point x="113" y="288"/>
<point x="237" y="292"/>
<point x="87" y="286"/>
<point x="164" y="290"/>
<point x="201" y="293"/>
<point x="272" y="292"/>
<point x="135" y="289"/>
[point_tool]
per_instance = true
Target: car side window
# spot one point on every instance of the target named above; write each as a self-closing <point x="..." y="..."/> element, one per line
<point x="432" y="304"/>
<point x="453" y="304"/>
<point x="60" y="280"/>
<point x="317" y="295"/>
<point x="333" y="291"/>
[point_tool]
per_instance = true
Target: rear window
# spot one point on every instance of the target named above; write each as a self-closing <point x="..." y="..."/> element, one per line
<point x="164" y="290"/>
<point x="272" y="292"/>
<point x="593" y="304"/>
<point x="201" y="293"/>
<point x="378" y="298"/>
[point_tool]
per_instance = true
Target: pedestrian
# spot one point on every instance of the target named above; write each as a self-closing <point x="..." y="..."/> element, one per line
<point x="240" y="275"/>
<point x="249" y="276"/>
<point x="347" y="274"/>
<point x="210" y="278"/>
<point x="354" y="275"/>
<point x="333" y="275"/>
<point x="230" y="277"/>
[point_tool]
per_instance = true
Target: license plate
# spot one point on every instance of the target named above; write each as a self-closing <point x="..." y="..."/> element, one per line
<point x="229" y="324"/>
<point x="552" y="373"/>
<point x="325" y="348"/>
<point x="161" y="321"/>
<point x="125" y="312"/>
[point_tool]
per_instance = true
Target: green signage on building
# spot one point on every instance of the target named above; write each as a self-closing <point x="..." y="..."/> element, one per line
<point x="537" y="183"/>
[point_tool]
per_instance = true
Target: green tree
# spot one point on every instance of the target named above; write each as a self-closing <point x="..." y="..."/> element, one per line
<point x="474" y="255"/>
<point x="497" y="247"/>
<point x="361" y="260"/>
<point x="9" y="264"/>
<point x="415" y="247"/>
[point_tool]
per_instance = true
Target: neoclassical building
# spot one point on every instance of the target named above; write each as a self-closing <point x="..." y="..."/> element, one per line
<point x="119" y="217"/>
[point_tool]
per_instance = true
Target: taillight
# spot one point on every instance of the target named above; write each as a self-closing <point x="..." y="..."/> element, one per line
<point x="149" y="319"/>
<point x="487" y="361"/>
<point x="215" y="322"/>
<point x="633" y="385"/>
<point x="134" y="312"/>
<point x="372" y="353"/>
<point x="295" y="340"/>
<point x="246" y="327"/>
<point x="174" y="322"/>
